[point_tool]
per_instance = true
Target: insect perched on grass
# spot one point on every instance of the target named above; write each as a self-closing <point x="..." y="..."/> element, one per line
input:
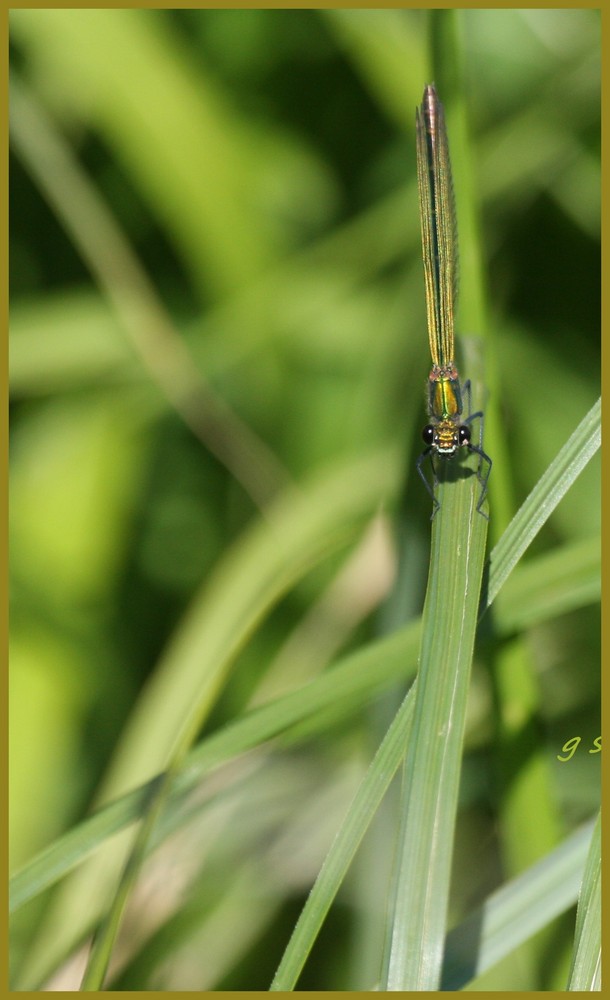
<point x="446" y="432"/>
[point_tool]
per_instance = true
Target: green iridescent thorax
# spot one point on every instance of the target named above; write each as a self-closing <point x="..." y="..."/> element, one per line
<point x="444" y="393"/>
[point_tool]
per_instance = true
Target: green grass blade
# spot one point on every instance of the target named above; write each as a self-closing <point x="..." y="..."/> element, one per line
<point x="550" y="585"/>
<point x="544" y="498"/>
<point x="361" y="812"/>
<point x="432" y="769"/>
<point x="585" y="974"/>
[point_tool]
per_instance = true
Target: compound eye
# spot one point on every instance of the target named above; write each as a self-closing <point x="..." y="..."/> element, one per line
<point x="428" y="434"/>
<point x="464" y="434"/>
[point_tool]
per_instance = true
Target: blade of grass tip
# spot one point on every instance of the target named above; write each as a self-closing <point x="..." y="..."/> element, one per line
<point x="416" y="932"/>
<point x="544" y="498"/>
<point x="585" y="974"/>
<point x="360" y="814"/>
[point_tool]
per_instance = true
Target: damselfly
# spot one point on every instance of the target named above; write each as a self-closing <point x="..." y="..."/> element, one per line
<point x="446" y="432"/>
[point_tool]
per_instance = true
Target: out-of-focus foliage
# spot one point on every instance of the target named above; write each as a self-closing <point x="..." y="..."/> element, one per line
<point x="221" y="302"/>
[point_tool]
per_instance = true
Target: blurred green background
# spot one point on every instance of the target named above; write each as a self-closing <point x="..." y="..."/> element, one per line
<point x="259" y="168"/>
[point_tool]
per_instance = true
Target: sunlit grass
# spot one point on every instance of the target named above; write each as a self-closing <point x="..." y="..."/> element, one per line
<point x="231" y="319"/>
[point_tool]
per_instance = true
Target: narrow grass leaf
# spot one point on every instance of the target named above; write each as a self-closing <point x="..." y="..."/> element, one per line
<point x="362" y="810"/>
<point x="585" y="974"/>
<point x="418" y="914"/>
<point x="544" y="498"/>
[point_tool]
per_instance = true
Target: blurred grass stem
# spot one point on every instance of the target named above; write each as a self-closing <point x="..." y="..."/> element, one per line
<point x="153" y="336"/>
